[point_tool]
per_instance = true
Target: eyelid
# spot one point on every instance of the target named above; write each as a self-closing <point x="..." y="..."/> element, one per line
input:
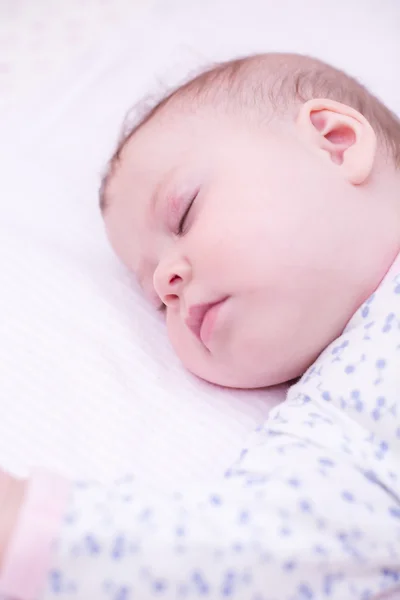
<point x="176" y="202"/>
<point x="185" y="213"/>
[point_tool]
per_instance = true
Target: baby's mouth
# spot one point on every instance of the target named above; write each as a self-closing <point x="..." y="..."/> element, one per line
<point x="201" y="319"/>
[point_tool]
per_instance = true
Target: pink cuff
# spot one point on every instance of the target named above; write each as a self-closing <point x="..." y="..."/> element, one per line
<point x="28" y="557"/>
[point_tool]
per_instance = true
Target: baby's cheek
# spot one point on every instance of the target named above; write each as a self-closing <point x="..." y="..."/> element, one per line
<point x="192" y="354"/>
<point x="183" y="341"/>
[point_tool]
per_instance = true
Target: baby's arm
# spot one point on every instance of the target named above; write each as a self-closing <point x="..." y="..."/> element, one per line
<point x="296" y="522"/>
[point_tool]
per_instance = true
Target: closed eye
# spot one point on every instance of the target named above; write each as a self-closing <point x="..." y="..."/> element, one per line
<point x="182" y="222"/>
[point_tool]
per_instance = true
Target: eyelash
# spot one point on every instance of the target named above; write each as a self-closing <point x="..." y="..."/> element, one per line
<point x="181" y="225"/>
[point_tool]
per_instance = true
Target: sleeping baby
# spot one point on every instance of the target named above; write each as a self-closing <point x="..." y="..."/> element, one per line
<point x="259" y="206"/>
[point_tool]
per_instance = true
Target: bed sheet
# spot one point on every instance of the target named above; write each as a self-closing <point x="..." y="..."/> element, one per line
<point x="40" y="39"/>
<point x="88" y="382"/>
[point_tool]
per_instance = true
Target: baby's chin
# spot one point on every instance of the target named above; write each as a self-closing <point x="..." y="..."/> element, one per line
<point x="244" y="381"/>
<point x="245" y="374"/>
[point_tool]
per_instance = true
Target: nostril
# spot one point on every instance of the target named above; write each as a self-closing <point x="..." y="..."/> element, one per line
<point x="174" y="279"/>
<point x="170" y="299"/>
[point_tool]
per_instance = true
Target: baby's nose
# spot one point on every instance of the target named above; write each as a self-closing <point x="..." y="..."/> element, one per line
<point x="173" y="290"/>
<point x="170" y="281"/>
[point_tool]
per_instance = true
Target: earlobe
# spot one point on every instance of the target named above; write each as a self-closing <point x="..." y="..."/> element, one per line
<point x="342" y="133"/>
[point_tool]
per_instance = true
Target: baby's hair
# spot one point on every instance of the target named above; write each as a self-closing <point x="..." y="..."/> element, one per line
<point x="268" y="85"/>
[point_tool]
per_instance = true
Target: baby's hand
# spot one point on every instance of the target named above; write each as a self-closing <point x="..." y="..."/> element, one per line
<point x="12" y="492"/>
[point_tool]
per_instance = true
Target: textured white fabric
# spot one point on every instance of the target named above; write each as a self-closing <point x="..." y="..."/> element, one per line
<point x="40" y="39"/>
<point x="88" y="382"/>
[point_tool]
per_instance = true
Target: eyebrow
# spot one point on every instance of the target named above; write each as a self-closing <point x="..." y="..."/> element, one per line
<point x="160" y="187"/>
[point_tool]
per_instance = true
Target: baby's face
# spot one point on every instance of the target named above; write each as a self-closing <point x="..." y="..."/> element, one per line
<point x="253" y="241"/>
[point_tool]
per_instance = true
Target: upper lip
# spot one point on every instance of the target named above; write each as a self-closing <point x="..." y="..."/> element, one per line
<point x="196" y="315"/>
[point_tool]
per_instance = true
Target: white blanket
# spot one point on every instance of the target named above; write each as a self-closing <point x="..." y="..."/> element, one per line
<point x="88" y="382"/>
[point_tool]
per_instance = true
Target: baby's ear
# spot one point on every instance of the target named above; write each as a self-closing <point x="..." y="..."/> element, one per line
<point x="342" y="133"/>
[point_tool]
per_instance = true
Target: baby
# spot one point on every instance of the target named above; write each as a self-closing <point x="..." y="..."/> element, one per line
<point x="259" y="206"/>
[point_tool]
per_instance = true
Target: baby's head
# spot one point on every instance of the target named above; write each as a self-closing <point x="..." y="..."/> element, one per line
<point x="258" y="205"/>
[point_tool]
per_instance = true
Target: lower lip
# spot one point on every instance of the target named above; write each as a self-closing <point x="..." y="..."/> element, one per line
<point x="209" y="321"/>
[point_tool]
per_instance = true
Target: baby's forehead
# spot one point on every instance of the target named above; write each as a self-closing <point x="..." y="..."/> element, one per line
<point x="137" y="160"/>
<point x="167" y="140"/>
<point x="167" y="134"/>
